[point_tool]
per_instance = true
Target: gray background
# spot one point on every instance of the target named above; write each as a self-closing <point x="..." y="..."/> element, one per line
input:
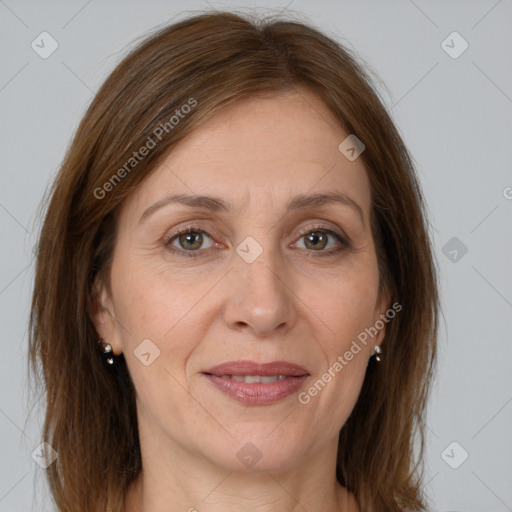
<point x="455" y="115"/>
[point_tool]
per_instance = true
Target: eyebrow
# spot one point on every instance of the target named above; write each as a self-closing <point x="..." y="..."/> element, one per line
<point x="216" y="204"/>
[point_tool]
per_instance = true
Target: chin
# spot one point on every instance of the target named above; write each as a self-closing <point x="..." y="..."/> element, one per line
<point x="254" y="450"/>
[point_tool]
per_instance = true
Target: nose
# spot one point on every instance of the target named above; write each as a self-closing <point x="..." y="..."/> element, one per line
<point x="260" y="297"/>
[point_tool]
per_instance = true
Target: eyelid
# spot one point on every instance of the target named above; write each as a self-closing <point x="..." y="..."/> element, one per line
<point x="317" y="226"/>
<point x="343" y="240"/>
<point x="190" y="228"/>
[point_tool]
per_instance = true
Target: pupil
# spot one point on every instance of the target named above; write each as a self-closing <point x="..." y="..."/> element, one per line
<point x="315" y="239"/>
<point x="191" y="239"/>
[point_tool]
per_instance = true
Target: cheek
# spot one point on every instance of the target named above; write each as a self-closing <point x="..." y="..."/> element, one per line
<point x="344" y="304"/>
<point x="149" y="303"/>
<point x="153" y="318"/>
<point x="345" y="307"/>
<point x="157" y="315"/>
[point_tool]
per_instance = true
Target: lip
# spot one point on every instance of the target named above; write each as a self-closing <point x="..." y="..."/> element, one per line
<point x="257" y="393"/>
<point x="253" y="368"/>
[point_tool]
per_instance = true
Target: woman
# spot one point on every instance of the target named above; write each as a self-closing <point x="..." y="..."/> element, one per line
<point x="235" y="303"/>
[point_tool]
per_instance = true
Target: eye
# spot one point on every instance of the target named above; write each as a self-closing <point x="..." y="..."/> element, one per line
<point x="188" y="240"/>
<point x="318" y="238"/>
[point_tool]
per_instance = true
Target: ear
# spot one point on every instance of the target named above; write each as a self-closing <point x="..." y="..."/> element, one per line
<point x="102" y="315"/>
<point x="383" y="305"/>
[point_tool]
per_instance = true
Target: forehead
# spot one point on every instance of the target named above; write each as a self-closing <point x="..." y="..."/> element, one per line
<point x="260" y="150"/>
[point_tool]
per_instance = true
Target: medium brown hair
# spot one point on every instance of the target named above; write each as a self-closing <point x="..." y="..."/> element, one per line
<point x="217" y="58"/>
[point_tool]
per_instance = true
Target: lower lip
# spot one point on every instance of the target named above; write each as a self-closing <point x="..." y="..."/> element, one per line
<point x="258" y="393"/>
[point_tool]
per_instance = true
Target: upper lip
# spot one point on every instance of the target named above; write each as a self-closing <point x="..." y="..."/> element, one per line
<point x="254" y="368"/>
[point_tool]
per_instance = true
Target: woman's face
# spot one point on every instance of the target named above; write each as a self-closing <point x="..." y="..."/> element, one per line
<point x="271" y="272"/>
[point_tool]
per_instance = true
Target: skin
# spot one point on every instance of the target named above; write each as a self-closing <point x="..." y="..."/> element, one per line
<point x="289" y="304"/>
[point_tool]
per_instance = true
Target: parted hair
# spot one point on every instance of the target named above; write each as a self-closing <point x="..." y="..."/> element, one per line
<point x="217" y="58"/>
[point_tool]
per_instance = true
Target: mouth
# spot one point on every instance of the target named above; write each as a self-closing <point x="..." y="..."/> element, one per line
<point x="255" y="383"/>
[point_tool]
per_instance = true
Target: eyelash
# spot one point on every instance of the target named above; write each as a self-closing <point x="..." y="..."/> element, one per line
<point x="345" y="242"/>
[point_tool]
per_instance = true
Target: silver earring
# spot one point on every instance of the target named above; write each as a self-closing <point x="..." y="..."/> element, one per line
<point x="108" y="355"/>
<point x="377" y="351"/>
